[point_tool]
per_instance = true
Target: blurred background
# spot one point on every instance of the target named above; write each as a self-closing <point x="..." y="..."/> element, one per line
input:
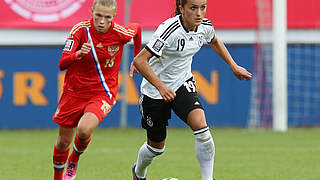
<point x="33" y="32"/>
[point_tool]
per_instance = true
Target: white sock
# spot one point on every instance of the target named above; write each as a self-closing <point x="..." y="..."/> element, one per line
<point x="145" y="157"/>
<point x="205" y="151"/>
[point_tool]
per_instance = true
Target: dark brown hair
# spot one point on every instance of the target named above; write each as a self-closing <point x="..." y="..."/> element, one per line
<point x="179" y="3"/>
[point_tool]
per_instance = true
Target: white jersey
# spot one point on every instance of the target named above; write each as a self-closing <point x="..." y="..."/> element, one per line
<point x="173" y="47"/>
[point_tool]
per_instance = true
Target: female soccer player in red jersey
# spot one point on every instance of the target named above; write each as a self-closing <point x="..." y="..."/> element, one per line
<point x="168" y="84"/>
<point x="91" y="58"/>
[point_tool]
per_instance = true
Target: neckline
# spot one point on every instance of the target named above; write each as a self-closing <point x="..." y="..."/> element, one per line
<point x="181" y="22"/>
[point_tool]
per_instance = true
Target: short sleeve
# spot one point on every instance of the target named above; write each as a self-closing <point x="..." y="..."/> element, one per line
<point x="73" y="40"/>
<point x="209" y="30"/>
<point x="155" y="46"/>
<point x="160" y="40"/>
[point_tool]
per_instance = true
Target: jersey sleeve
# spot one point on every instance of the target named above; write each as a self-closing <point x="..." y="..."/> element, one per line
<point x="136" y="38"/>
<point x="131" y="31"/>
<point x="159" y="40"/>
<point x="209" y="30"/>
<point x="72" y="44"/>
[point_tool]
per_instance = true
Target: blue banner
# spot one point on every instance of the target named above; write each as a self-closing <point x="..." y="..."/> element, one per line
<point x="30" y="86"/>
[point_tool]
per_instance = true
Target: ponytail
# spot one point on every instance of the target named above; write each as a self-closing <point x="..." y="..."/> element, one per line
<point x="179" y="3"/>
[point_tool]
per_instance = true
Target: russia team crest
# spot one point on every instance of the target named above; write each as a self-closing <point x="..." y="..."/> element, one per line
<point x="45" y="11"/>
<point x="113" y="49"/>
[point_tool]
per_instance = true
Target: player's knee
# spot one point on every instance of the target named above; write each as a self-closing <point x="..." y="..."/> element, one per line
<point x="62" y="144"/>
<point x="84" y="132"/>
<point x="157" y="135"/>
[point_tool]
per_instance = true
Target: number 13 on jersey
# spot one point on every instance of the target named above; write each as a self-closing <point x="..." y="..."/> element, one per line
<point x="109" y="62"/>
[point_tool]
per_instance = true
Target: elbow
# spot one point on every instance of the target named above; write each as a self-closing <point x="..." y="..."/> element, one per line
<point x="135" y="61"/>
<point x="141" y="60"/>
<point x="61" y="67"/>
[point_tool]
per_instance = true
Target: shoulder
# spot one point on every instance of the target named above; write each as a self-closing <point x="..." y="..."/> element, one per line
<point x="206" y="27"/>
<point x="79" y="26"/>
<point x="174" y="21"/>
<point x="170" y="21"/>
<point x="168" y="27"/>
<point x="123" y="31"/>
<point x="206" y="22"/>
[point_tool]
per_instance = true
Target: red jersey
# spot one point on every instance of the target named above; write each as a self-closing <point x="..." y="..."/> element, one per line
<point x="97" y="72"/>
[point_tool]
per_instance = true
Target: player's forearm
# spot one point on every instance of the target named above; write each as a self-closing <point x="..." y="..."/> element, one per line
<point x="146" y="71"/>
<point x="219" y="47"/>
<point x="68" y="59"/>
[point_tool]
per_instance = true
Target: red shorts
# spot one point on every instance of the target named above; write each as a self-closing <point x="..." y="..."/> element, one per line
<point x="71" y="109"/>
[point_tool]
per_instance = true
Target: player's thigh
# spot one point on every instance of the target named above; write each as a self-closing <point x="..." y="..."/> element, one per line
<point x="69" y="111"/>
<point x="187" y="100"/>
<point x="87" y="124"/>
<point x="97" y="109"/>
<point x="155" y="114"/>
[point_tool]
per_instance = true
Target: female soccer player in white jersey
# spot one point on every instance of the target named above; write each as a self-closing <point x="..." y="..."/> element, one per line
<point x="168" y="83"/>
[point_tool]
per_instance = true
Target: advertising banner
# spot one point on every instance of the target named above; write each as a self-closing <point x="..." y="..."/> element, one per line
<point x="31" y="84"/>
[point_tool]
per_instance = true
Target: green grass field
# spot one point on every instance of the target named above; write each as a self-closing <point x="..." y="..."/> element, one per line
<point x="241" y="154"/>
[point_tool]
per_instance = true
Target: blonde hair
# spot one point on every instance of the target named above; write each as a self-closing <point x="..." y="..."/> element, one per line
<point x="107" y="3"/>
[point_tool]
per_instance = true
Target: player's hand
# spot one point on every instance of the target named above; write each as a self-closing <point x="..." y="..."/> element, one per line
<point x="166" y="93"/>
<point x="241" y="73"/>
<point x="133" y="70"/>
<point x="85" y="49"/>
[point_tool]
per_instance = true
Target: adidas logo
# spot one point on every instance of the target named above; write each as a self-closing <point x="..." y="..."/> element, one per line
<point x="99" y="45"/>
<point x="191" y="39"/>
<point x="196" y="103"/>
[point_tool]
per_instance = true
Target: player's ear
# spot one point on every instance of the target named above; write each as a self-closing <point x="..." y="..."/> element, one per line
<point x="181" y="9"/>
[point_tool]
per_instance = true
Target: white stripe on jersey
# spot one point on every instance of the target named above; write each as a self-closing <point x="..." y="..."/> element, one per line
<point x="120" y="31"/>
<point x="169" y="29"/>
<point x="124" y="29"/>
<point x="95" y="58"/>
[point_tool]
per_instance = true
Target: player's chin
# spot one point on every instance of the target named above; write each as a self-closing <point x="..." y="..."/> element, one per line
<point x="197" y="23"/>
<point x="101" y="30"/>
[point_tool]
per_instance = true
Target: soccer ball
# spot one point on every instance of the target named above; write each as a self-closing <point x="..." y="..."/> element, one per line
<point x="170" y="178"/>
